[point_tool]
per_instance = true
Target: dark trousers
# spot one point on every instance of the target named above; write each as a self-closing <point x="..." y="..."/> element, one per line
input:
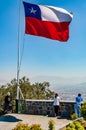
<point x="56" y="109"/>
<point x="7" y="107"/>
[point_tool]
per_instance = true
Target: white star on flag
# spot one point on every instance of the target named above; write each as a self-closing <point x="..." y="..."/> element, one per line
<point x="32" y="10"/>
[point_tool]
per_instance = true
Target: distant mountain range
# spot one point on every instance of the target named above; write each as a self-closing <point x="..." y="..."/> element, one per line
<point x="60" y="81"/>
<point x="68" y="88"/>
<point x="57" y="81"/>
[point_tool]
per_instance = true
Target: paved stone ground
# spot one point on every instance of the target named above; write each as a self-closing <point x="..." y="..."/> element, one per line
<point x="9" y="121"/>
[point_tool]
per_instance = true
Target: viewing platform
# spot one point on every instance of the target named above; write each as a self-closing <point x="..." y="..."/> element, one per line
<point x="9" y="121"/>
<point x="38" y="112"/>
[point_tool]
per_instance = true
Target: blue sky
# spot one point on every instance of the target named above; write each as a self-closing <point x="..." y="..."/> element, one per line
<point x="43" y="59"/>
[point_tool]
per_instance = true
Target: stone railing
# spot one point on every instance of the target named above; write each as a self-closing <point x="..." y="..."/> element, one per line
<point x="45" y="107"/>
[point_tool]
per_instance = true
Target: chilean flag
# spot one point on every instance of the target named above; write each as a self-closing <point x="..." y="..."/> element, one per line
<point x="47" y="21"/>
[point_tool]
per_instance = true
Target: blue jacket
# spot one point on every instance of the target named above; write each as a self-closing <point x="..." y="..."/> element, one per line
<point x="79" y="100"/>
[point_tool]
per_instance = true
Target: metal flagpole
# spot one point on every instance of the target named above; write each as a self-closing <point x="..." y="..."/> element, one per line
<point x="18" y="63"/>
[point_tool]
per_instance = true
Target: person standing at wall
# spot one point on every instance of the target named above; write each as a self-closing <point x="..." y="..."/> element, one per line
<point x="56" y="104"/>
<point x="7" y="104"/>
<point x="79" y="101"/>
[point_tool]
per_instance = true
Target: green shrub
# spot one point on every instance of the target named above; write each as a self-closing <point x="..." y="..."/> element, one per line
<point x="71" y="125"/>
<point x="51" y="125"/>
<point x="75" y="126"/>
<point x="21" y="126"/>
<point x="83" y="110"/>
<point x="78" y="126"/>
<point x="73" y="116"/>
<point x="68" y="128"/>
<point x="35" y="127"/>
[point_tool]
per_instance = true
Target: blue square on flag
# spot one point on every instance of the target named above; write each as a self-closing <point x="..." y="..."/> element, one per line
<point x="32" y="10"/>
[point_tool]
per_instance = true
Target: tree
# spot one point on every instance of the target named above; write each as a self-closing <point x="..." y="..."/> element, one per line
<point x="30" y="91"/>
<point x="42" y="91"/>
<point x="83" y="110"/>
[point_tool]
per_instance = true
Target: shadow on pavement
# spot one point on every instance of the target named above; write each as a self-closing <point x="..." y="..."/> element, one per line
<point x="9" y="118"/>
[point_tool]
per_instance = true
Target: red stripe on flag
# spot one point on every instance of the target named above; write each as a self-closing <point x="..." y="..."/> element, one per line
<point x="53" y="30"/>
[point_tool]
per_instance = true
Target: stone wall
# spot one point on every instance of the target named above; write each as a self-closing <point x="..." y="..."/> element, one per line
<point x="67" y="108"/>
<point x="40" y="107"/>
<point x="45" y="107"/>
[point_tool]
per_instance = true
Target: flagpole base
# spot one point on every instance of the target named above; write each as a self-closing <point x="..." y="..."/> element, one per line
<point x="16" y="105"/>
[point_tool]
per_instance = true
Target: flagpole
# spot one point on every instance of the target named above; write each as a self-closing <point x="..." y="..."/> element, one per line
<point x="18" y="62"/>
